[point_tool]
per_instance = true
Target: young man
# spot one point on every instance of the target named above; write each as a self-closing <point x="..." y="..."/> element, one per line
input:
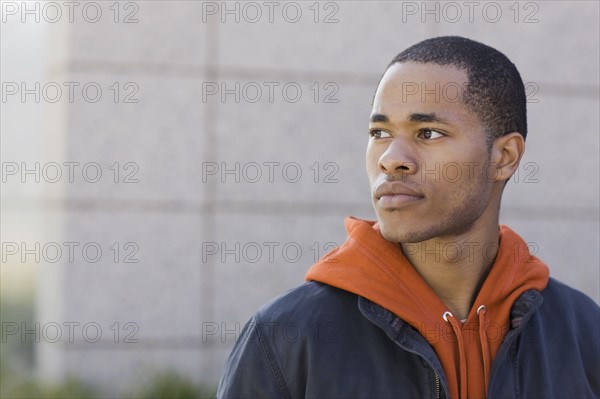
<point x="435" y="299"/>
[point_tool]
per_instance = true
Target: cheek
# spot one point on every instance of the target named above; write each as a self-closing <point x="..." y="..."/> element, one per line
<point x="467" y="167"/>
<point x="458" y="180"/>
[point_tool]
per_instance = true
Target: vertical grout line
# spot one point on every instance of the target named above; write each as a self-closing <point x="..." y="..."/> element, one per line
<point x="50" y="300"/>
<point x="207" y="216"/>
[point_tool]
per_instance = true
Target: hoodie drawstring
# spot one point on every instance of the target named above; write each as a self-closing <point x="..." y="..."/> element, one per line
<point x="457" y="328"/>
<point x="485" y="352"/>
<point x="449" y="317"/>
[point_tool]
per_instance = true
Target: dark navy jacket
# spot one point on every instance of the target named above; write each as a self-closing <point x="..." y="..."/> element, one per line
<point x="317" y="341"/>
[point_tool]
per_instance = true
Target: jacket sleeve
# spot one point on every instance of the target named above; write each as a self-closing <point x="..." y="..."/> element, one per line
<point x="252" y="370"/>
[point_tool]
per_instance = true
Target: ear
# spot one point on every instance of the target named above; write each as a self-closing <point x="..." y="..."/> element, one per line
<point x="507" y="152"/>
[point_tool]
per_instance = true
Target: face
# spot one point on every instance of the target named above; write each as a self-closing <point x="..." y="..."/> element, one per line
<point x="427" y="159"/>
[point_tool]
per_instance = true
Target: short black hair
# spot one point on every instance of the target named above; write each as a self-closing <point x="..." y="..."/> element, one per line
<point x="494" y="92"/>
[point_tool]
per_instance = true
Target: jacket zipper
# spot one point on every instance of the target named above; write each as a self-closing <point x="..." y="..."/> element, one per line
<point x="437" y="386"/>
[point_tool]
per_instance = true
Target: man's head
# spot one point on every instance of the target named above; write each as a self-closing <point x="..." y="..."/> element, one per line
<point x="447" y="131"/>
<point x="494" y="89"/>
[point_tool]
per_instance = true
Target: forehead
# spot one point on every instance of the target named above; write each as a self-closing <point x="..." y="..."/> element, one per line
<point x="411" y="87"/>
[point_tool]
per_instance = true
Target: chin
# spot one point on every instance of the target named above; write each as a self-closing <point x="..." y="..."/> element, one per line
<point x="403" y="232"/>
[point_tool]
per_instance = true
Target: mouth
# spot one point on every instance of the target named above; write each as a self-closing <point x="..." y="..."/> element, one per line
<point x="394" y="201"/>
<point x="392" y="195"/>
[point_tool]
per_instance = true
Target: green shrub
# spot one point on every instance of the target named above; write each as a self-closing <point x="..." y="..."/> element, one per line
<point x="173" y="386"/>
<point x="167" y="385"/>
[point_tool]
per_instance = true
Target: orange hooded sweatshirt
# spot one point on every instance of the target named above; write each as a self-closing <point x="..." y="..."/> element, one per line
<point x="370" y="266"/>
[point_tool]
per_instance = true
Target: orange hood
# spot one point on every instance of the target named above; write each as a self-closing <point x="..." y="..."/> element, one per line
<point x="370" y="266"/>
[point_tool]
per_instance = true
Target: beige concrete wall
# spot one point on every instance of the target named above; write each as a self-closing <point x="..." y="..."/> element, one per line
<point x="186" y="297"/>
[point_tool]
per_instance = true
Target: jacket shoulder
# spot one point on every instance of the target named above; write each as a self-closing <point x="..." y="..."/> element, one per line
<point x="558" y="349"/>
<point x="567" y="312"/>
<point x="272" y="357"/>
<point x="311" y="301"/>
<point x="559" y="296"/>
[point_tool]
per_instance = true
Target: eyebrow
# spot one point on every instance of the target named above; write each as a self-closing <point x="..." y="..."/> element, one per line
<point x="431" y="118"/>
<point x="415" y="118"/>
<point x="378" y="118"/>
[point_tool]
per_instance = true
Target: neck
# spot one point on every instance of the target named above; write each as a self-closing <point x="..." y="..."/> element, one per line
<point x="455" y="267"/>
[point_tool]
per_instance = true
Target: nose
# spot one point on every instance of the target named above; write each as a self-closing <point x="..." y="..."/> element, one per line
<point x="397" y="158"/>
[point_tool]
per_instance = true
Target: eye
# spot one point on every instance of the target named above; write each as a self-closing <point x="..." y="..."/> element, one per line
<point x="430" y="134"/>
<point x="379" y="134"/>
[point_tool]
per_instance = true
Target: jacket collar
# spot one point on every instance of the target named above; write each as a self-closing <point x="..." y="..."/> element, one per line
<point x="409" y="338"/>
<point x="403" y="334"/>
<point x="524" y="307"/>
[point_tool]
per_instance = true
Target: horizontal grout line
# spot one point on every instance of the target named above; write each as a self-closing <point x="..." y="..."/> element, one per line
<point x="564" y="213"/>
<point x="183" y="206"/>
<point x="558" y="90"/>
<point x="201" y="71"/>
<point x="266" y="74"/>
<point x="582" y="213"/>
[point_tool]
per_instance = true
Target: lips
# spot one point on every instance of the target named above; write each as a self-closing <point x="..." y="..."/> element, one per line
<point x="395" y="194"/>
